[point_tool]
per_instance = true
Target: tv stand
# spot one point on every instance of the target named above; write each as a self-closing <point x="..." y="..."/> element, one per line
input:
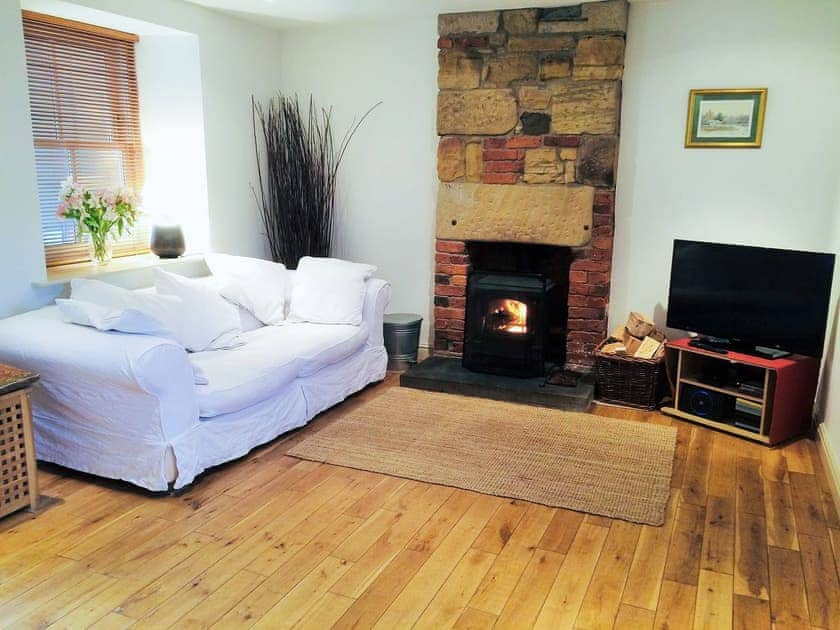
<point x="723" y="346"/>
<point x="766" y="400"/>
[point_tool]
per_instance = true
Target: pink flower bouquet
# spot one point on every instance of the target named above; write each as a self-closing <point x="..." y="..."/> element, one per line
<point x="103" y="214"/>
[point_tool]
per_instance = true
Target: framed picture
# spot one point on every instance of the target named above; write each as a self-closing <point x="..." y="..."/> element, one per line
<point x="725" y="118"/>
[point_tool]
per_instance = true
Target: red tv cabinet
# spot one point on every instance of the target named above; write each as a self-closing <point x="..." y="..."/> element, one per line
<point x="785" y="396"/>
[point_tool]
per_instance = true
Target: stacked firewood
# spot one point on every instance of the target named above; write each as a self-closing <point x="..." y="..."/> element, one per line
<point x="638" y="338"/>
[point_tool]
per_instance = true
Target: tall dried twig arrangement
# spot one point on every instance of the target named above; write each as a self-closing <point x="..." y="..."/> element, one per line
<point x="297" y="171"/>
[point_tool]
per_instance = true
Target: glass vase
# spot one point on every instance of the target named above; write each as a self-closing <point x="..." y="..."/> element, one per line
<point x="100" y="248"/>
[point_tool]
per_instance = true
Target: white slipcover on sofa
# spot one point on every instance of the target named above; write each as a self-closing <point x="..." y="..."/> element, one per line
<point x="127" y="406"/>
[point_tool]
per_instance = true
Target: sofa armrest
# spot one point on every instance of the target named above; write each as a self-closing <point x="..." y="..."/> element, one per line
<point x="99" y="380"/>
<point x="377" y="298"/>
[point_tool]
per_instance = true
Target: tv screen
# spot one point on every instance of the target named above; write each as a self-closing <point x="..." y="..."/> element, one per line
<point x="754" y="296"/>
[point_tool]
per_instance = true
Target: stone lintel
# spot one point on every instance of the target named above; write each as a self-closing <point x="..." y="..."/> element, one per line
<point x="547" y="214"/>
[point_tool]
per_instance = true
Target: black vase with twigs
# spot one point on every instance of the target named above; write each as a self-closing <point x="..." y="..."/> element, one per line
<point x="297" y="169"/>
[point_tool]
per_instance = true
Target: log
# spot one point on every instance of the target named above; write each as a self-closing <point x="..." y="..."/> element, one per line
<point x="616" y="347"/>
<point x="632" y="346"/>
<point x="639" y="325"/>
<point x="647" y="349"/>
<point x="620" y="333"/>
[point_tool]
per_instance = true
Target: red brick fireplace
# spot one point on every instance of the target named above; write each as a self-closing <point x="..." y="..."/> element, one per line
<point x="588" y="290"/>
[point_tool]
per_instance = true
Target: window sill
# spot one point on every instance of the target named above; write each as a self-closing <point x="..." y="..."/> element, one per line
<point x="57" y="276"/>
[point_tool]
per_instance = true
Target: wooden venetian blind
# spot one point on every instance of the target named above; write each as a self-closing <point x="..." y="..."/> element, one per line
<point x="85" y="122"/>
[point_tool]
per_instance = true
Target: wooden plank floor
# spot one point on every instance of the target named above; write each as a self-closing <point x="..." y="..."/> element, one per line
<point x="752" y="540"/>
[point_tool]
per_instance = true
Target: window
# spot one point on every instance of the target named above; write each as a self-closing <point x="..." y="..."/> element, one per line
<point x="85" y="121"/>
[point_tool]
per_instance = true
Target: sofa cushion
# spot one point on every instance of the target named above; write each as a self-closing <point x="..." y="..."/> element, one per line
<point x="272" y="357"/>
<point x="208" y="322"/>
<point x="329" y="291"/>
<point x="247" y="321"/>
<point x="128" y="320"/>
<point x="259" y="286"/>
<point x="164" y="310"/>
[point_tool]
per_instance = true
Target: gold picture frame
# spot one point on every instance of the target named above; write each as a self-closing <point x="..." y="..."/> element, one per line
<point x="725" y="118"/>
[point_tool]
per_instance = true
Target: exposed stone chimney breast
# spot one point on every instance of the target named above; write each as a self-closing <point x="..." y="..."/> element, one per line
<point x="528" y="114"/>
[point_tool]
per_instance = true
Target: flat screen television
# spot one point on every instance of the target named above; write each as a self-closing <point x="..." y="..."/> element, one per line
<point x="751" y="296"/>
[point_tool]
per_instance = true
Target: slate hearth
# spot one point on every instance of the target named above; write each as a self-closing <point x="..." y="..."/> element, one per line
<point x="446" y="374"/>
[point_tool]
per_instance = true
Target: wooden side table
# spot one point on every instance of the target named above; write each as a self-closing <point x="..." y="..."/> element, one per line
<point x="18" y="471"/>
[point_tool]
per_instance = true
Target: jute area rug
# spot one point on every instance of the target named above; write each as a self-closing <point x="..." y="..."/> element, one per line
<point x="603" y="466"/>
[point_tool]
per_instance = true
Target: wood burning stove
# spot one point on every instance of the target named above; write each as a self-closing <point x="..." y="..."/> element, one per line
<point x="505" y="326"/>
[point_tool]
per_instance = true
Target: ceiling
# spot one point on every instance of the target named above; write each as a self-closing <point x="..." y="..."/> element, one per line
<point x="80" y="13"/>
<point x="288" y="13"/>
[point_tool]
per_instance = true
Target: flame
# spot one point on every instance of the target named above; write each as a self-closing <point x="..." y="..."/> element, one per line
<point x="509" y="316"/>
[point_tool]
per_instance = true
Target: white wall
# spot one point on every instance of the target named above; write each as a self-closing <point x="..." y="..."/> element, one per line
<point x="20" y="228"/>
<point x="237" y="59"/>
<point x="784" y="194"/>
<point x="172" y="127"/>
<point x="388" y="181"/>
<point x="779" y="195"/>
<point x="171" y="117"/>
<point x="829" y="396"/>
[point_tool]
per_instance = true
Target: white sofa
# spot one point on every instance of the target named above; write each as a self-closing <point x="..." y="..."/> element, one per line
<point x="127" y="407"/>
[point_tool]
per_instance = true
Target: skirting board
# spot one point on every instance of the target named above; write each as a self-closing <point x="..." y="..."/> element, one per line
<point x="831" y="463"/>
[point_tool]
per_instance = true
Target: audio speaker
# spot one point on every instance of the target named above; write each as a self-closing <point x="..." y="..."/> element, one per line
<point x="706" y="403"/>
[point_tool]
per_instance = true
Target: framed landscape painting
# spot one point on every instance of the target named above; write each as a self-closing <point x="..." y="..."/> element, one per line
<point x="725" y="118"/>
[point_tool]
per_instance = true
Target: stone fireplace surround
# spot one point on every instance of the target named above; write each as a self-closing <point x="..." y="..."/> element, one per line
<point x="528" y="114"/>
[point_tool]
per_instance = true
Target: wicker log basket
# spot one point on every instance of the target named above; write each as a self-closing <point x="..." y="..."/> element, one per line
<point x="629" y="381"/>
<point x="624" y="379"/>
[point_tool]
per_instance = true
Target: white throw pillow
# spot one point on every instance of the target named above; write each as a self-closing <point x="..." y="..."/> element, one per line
<point x="208" y="321"/>
<point x="167" y="311"/>
<point x="329" y="291"/>
<point x="258" y="286"/>
<point x="126" y="320"/>
<point x="247" y="321"/>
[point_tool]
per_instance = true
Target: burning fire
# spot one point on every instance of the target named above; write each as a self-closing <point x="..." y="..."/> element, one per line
<point x="509" y="316"/>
